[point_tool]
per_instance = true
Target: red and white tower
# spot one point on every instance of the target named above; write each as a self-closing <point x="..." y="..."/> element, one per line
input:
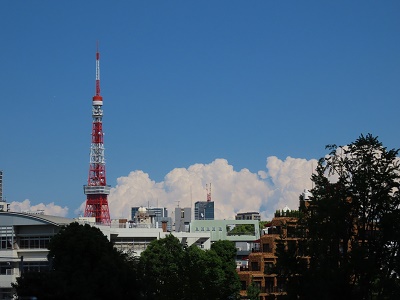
<point x="97" y="190"/>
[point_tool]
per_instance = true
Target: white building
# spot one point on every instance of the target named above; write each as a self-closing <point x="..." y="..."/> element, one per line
<point x="24" y="238"/>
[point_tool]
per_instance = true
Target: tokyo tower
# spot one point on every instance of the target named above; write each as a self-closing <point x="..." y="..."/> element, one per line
<point x="97" y="190"/>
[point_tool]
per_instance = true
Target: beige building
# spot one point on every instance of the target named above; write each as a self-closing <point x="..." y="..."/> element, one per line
<point x="262" y="260"/>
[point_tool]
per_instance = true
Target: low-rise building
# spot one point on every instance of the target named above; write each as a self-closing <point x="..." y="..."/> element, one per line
<point x="24" y="238"/>
<point x="243" y="233"/>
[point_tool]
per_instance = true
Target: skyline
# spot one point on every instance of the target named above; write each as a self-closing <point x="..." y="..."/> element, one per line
<point x="241" y="95"/>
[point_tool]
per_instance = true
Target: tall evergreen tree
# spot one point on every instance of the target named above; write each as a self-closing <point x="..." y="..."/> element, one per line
<point x="352" y="225"/>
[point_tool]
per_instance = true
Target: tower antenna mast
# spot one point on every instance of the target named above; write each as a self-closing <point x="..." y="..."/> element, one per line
<point x="97" y="190"/>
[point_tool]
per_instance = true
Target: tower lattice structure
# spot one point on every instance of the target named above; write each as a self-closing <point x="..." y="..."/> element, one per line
<point x="97" y="190"/>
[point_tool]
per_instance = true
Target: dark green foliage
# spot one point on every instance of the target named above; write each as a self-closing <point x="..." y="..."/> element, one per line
<point x="40" y="284"/>
<point x="85" y="265"/>
<point x="226" y="251"/>
<point x="289" y="213"/>
<point x="241" y="229"/>
<point x="352" y="222"/>
<point x="171" y="270"/>
<point x="253" y="292"/>
<point x="161" y="266"/>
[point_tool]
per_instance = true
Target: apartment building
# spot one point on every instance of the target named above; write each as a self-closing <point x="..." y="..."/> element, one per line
<point x="262" y="260"/>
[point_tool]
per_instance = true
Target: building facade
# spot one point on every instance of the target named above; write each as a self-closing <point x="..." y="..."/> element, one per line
<point x="204" y="210"/>
<point x="262" y="260"/>
<point x="183" y="217"/>
<point x="248" y="216"/>
<point x="231" y="230"/>
<point x="157" y="214"/>
<point x="23" y="245"/>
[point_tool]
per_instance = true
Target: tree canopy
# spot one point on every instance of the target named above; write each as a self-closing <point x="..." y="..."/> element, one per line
<point x="83" y="265"/>
<point x="171" y="270"/>
<point x="350" y="227"/>
<point x="241" y="229"/>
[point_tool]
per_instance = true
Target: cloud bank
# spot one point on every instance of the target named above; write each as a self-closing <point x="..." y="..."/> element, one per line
<point x="48" y="209"/>
<point x="280" y="184"/>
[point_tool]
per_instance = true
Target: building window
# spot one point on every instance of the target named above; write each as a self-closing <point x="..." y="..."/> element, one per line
<point x="266" y="248"/>
<point x="5" y="243"/>
<point x="6" y="268"/>
<point x="268" y="268"/>
<point x="6" y="237"/>
<point x="255" y="266"/>
<point x="34" y="242"/>
<point x="36" y="266"/>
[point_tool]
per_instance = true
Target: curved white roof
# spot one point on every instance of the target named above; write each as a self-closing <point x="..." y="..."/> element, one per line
<point x="17" y="218"/>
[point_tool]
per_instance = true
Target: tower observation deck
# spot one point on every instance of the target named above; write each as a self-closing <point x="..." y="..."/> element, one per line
<point x="97" y="190"/>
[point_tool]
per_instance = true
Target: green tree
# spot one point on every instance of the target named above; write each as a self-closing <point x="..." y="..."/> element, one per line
<point x="171" y="270"/>
<point x="241" y="229"/>
<point x="352" y="224"/>
<point x="226" y="251"/>
<point x="253" y="291"/>
<point x="161" y="267"/>
<point x="81" y="261"/>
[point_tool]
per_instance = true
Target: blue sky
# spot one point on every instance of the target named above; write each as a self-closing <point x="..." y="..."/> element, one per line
<point x="187" y="83"/>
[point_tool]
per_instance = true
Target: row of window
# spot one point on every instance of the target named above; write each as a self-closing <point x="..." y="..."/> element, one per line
<point x="36" y="266"/>
<point x="131" y="247"/>
<point x="38" y="242"/>
<point x="207" y="229"/>
<point x="6" y="268"/>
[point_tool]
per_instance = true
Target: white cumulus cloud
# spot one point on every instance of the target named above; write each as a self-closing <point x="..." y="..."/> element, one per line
<point x="278" y="185"/>
<point x="49" y="209"/>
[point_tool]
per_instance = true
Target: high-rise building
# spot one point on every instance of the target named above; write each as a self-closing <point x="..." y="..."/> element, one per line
<point x="204" y="210"/>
